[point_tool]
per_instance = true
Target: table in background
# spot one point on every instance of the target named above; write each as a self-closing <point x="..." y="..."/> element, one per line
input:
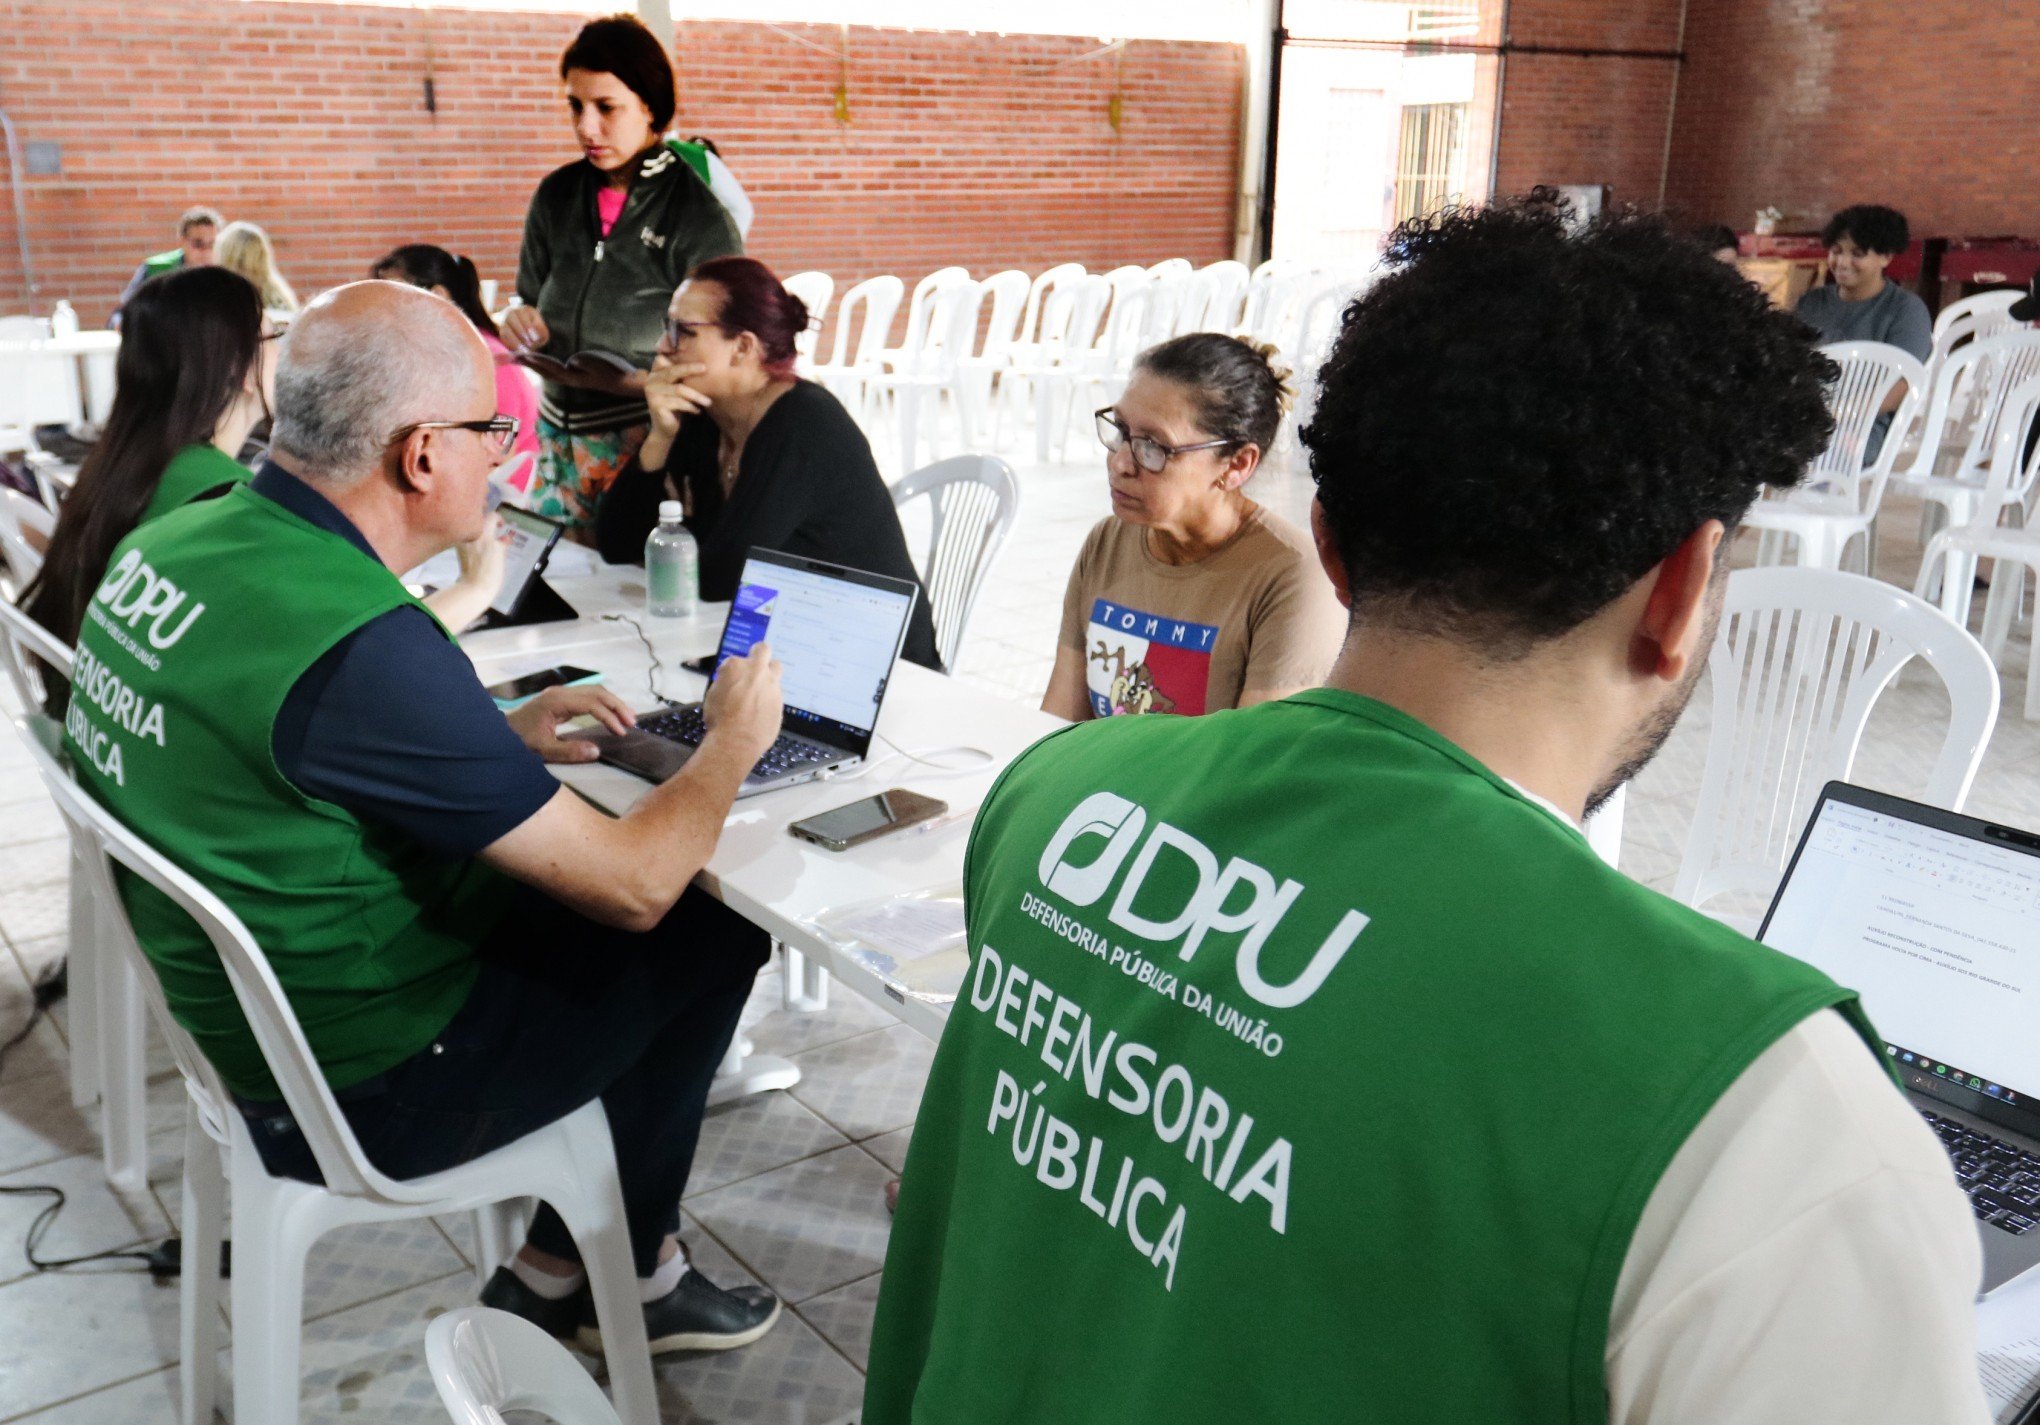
<point x="58" y="380"/>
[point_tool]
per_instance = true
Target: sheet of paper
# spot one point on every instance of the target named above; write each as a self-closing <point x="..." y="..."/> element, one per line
<point x="2011" y="1373"/>
<point x="2008" y="1345"/>
<point x="905" y="929"/>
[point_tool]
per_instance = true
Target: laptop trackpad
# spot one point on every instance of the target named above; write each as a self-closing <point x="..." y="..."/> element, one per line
<point x="651" y="757"/>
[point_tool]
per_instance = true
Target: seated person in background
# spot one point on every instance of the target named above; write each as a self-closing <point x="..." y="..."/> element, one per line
<point x="244" y="248"/>
<point x="1431" y="1116"/>
<point x="472" y="950"/>
<point x="1860" y="305"/>
<point x="1190" y="597"/>
<point x="1719" y="242"/>
<point x="441" y="273"/>
<point x="756" y="455"/>
<point x="195" y="373"/>
<point x="197" y="231"/>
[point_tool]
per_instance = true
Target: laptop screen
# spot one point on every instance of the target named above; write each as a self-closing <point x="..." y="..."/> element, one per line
<point x="836" y="633"/>
<point x="526" y="539"/>
<point x="1934" y="919"/>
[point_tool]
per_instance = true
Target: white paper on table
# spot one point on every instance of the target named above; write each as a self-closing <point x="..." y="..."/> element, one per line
<point x="915" y="943"/>
<point x="2008" y="1345"/>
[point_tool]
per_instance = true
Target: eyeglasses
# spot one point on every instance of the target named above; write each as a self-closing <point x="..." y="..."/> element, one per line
<point x="1148" y="453"/>
<point x="675" y="330"/>
<point x="502" y="430"/>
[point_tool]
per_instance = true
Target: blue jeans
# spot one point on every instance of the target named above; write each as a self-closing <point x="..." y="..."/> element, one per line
<point x="563" y="1011"/>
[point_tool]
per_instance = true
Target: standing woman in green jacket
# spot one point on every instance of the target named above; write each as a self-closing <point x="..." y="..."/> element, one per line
<point x="606" y="241"/>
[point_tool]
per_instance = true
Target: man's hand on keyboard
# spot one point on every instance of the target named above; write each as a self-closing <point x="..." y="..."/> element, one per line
<point x="537" y="723"/>
<point x="744" y="702"/>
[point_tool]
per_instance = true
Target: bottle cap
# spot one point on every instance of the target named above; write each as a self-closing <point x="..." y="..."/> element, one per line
<point x="670" y="512"/>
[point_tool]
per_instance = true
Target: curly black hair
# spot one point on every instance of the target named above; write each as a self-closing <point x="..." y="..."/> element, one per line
<point x="1515" y="424"/>
<point x="1874" y="227"/>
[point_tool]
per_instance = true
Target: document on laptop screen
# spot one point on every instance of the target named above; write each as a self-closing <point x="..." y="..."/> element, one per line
<point x="1938" y="932"/>
<point x="834" y="639"/>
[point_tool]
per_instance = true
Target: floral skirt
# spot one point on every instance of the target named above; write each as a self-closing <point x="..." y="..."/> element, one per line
<point x="574" y="470"/>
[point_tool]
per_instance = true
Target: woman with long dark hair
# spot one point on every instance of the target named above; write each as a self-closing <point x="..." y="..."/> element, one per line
<point x="193" y="377"/>
<point x="453" y="277"/>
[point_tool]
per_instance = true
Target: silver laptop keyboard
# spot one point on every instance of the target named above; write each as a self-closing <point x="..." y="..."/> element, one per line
<point x="2003" y="1181"/>
<point x="685" y="724"/>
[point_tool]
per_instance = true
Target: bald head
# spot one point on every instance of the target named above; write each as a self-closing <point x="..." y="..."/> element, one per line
<point x="365" y="360"/>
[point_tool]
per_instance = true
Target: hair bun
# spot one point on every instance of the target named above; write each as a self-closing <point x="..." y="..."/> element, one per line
<point x="797" y="315"/>
<point x="1271" y="357"/>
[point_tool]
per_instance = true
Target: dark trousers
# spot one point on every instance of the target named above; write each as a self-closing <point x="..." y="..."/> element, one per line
<point x="564" y="1011"/>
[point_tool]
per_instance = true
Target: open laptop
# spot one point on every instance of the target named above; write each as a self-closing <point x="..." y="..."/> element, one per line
<point x="836" y="632"/>
<point x="1934" y="918"/>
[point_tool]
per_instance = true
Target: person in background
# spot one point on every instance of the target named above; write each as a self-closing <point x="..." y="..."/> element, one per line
<point x="1719" y="242"/>
<point x="197" y="230"/>
<point x="1190" y="597"/>
<point x="755" y="454"/>
<point x="443" y="274"/>
<point x="195" y="373"/>
<point x="1417" y="1110"/>
<point x="244" y="248"/>
<point x="1860" y="305"/>
<point x="471" y="950"/>
<point x="606" y="240"/>
<point x="707" y="161"/>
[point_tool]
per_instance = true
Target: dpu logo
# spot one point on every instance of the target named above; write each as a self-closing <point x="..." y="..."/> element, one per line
<point x="133" y="591"/>
<point x="1120" y="824"/>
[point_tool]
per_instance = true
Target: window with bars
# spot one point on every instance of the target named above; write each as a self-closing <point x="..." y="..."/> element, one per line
<point x="1431" y="159"/>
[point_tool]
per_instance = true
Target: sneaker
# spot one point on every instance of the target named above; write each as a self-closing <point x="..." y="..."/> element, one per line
<point x="559" y="1318"/>
<point x="697" y="1315"/>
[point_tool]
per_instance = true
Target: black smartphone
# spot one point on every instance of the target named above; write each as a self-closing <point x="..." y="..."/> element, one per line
<point x="704" y="665"/>
<point x="522" y="690"/>
<point x="846" y="826"/>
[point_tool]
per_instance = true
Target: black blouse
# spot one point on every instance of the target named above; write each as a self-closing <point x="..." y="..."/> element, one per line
<point x="806" y="484"/>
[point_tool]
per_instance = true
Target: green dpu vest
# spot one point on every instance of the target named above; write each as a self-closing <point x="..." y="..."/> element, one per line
<point x="205" y="620"/>
<point x="1306" y="1071"/>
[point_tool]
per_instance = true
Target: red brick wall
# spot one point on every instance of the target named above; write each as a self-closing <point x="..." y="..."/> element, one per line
<point x="1567" y="119"/>
<point x="1811" y="107"/>
<point x="309" y="119"/>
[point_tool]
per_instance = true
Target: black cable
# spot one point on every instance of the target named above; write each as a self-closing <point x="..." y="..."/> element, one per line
<point x="650" y="652"/>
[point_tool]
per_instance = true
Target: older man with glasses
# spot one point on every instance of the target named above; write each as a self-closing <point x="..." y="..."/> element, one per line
<point x="471" y="950"/>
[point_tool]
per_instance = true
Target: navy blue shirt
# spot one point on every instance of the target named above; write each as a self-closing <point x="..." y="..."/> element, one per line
<point x="393" y="725"/>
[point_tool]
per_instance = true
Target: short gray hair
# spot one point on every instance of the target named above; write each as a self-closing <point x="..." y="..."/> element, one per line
<point x="345" y="386"/>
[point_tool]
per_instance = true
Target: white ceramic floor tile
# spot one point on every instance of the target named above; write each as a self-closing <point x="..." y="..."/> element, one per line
<point x="755" y="1135"/>
<point x="774" y="1030"/>
<point x="94" y="1217"/>
<point x="807" y="1228"/>
<point x="68" y="1333"/>
<point x="891" y="1148"/>
<point x="146" y="1400"/>
<point x="868" y="1085"/>
<point x="38" y="1124"/>
<point x="843" y="1317"/>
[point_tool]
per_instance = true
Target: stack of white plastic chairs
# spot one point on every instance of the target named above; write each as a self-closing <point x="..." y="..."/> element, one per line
<point x="913" y="378"/>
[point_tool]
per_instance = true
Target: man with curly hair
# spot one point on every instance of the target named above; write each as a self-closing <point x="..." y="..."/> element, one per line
<point x="1311" y="1066"/>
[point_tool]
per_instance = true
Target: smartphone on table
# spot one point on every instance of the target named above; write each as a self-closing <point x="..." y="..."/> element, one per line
<point x="514" y="693"/>
<point x="860" y="821"/>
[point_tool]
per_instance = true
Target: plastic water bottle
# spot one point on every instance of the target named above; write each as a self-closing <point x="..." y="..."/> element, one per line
<point x="670" y="566"/>
<point x="64" y="320"/>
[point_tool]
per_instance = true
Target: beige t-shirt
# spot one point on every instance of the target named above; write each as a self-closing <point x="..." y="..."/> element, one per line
<point x="1256" y="616"/>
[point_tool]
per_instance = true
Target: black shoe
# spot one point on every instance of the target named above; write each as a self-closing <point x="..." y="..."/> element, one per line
<point x="697" y="1315"/>
<point x="559" y="1319"/>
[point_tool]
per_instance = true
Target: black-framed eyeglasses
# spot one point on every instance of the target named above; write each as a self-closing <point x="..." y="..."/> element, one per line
<point x="675" y="330"/>
<point x="1149" y="454"/>
<point x="501" y="429"/>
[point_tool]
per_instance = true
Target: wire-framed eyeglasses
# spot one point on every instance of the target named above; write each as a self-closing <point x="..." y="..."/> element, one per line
<point x="501" y="430"/>
<point x="1149" y="454"/>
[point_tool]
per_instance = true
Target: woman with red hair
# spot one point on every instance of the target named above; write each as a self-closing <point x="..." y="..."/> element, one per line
<point x="755" y="454"/>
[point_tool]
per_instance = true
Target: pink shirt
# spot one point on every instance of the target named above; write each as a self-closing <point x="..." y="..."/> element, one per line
<point x="516" y="395"/>
<point x="609" y="206"/>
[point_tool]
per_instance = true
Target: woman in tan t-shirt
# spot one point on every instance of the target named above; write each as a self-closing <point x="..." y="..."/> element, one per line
<point x="1190" y="597"/>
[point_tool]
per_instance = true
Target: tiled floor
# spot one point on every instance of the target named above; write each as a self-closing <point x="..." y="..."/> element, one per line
<point x="787" y="1188"/>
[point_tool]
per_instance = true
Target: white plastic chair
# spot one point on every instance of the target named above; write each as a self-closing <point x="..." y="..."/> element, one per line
<point x="570" y="1164"/>
<point x="974" y="501"/>
<point x="108" y="1027"/>
<point x="939" y="333"/>
<point x="1798" y="664"/>
<point x="1007" y="292"/>
<point x="1070" y="324"/>
<point x="25" y="530"/>
<point x="867" y="310"/>
<point x="1170" y="267"/>
<point x="1949" y="470"/>
<point x="1840" y="496"/>
<point x="486" y="1362"/>
<point x="917" y="309"/>
<point x="2013" y="547"/>
<point x="815" y="290"/>
<point x="1986" y="309"/>
<point x="1228" y="285"/>
<point x="1099" y="372"/>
